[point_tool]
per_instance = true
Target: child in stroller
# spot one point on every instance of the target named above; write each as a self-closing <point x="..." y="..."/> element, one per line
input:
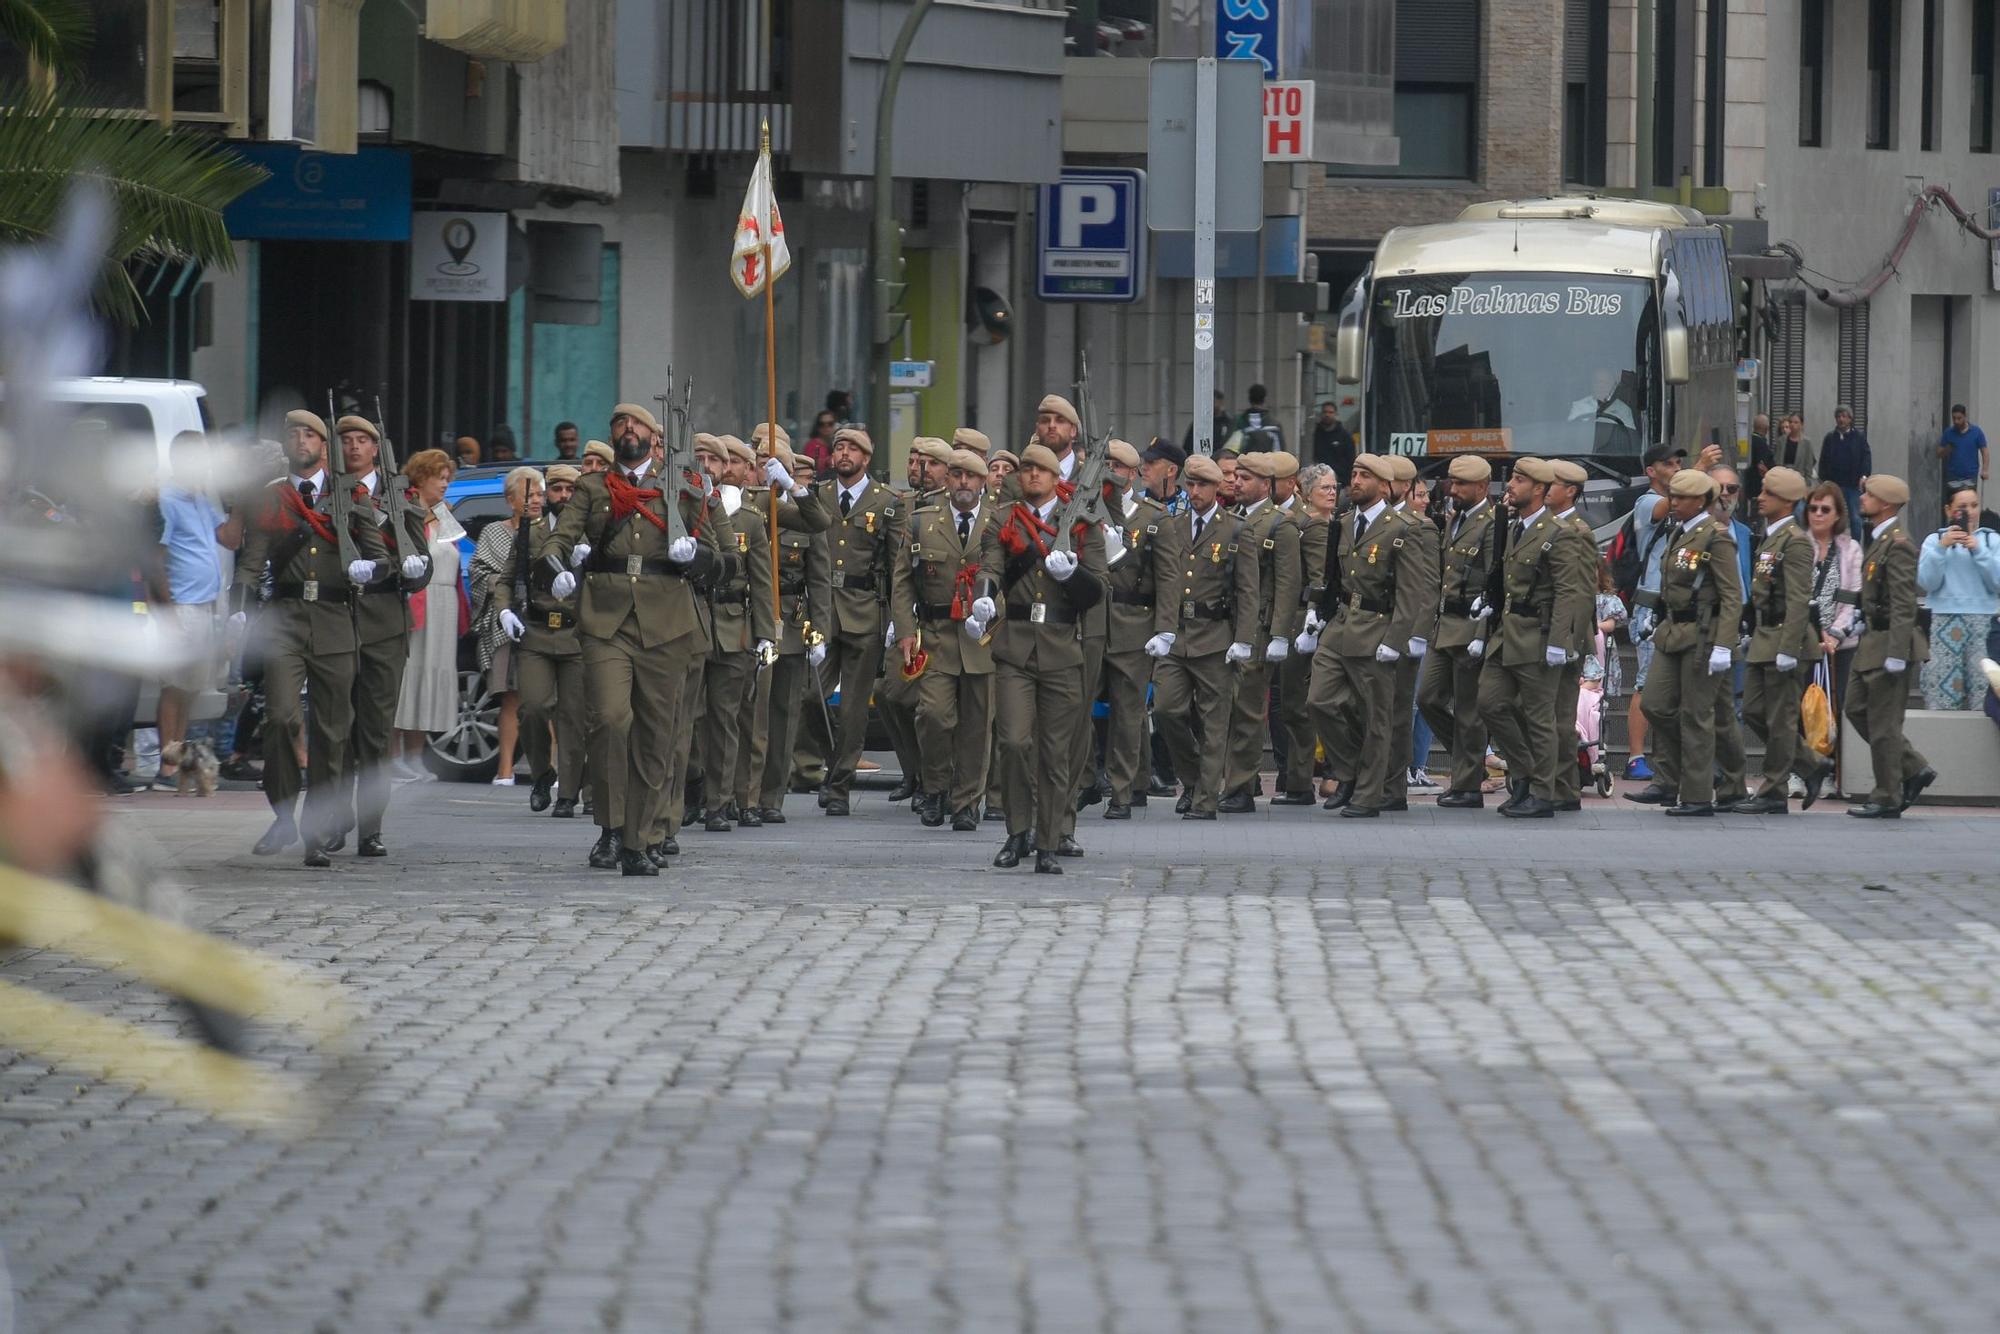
<point x="1600" y="682"/>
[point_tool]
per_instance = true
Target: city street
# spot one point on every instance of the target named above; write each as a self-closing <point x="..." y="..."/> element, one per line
<point x="1275" y="1072"/>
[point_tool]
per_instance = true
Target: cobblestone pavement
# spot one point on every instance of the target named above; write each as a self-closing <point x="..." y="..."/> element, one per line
<point x="1268" y="1073"/>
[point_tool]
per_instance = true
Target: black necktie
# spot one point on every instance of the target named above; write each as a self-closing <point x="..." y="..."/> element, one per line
<point x="964" y="527"/>
<point x="846" y="504"/>
<point x="1520" y="527"/>
<point x="306" y="489"/>
<point x="1198" y="521"/>
<point x="1360" y="526"/>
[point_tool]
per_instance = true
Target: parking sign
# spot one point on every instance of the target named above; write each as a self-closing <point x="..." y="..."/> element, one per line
<point x="1090" y="240"/>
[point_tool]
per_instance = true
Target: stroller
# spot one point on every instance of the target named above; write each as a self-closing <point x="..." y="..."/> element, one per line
<point x="1591" y="706"/>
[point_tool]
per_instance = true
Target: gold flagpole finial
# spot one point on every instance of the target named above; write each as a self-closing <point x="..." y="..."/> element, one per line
<point x="764" y="135"/>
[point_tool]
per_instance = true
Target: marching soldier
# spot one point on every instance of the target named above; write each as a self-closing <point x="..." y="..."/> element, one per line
<point x="1701" y="601"/>
<point x="1295" y="778"/>
<point x="896" y="697"/>
<point x="1385" y="597"/>
<point x="744" y="630"/>
<point x="1580" y="593"/>
<point x="1783" y="646"/>
<point x="687" y="781"/>
<point x="639" y="623"/>
<point x="1143" y="561"/>
<point x="1421" y="556"/>
<point x="1040" y="591"/>
<point x="550" y="658"/>
<point x="1891" y="643"/>
<point x="935" y="588"/>
<point x="1274" y="540"/>
<point x="1448" y="689"/>
<point x="805" y="607"/>
<point x="319" y="548"/>
<point x="1212" y="623"/>
<point x="1528" y="646"/>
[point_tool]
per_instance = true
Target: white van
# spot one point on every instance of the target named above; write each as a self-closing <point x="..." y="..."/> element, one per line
<point x="158" y="409"/>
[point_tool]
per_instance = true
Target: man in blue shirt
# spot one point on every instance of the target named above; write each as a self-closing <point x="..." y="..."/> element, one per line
<point x="1963" y="450"/>
<point x="193" y="531"/>
<point x="1958" y="571"/>
<point x="1844" y="459"/>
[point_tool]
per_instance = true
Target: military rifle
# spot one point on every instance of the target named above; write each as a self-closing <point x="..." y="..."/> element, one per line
<point x="396" y="490"/>
<point x="1086" y="502"/>
<point x="340" y="498"/>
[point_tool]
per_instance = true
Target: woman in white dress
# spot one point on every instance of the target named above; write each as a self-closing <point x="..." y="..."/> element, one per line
<point x="429" y="700"/>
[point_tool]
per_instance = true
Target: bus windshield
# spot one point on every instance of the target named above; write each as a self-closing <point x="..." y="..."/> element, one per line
<point x="1547" y="364"/>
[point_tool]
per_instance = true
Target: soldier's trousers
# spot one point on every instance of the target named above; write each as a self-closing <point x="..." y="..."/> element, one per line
<point x="1402" y="722"/>
<point x="670" y="815"/>
<point x="954" y="727"/>
<point x="852" y="661"/>
<point x="896" y="706"/>
<point x="783" y="694"/>
<point x="1518" y="702"/>
<point x="1083" y="742"/>
<point x="1294" y="680"/>
<point x="1876" y="702"/>
<point x="1032" y="710"/>
<point x="729" y="690"/>
<point x="1246" y="726"/>
<point x="1187" y="690"/>
<point x="1679" y="704"/>
<point x="810" y="739"/>
<point x="635" y="704"/>
<point x="1126" y="676"/>
<point x="1350" y="700"/>
<point x="1569" y="686"/>
<point x="378" y="683"/>
<point x="553" y="716"/>
<point x="1448" y="694"/>
<point x="329" y="679"/>
<point x="1771" y="710"/>
<point x="1730" y="762"/>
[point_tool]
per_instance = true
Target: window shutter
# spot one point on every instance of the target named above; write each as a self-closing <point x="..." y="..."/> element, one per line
<point x="1576" y="41"/>
<point x="1853" y="389"/>
<point x="1437" y="41"/>
<point x="1785" y="381"/>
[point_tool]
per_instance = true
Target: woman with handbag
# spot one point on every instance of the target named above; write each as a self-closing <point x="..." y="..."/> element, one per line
<point x="1836" y="589"/>
<point x="428" y="703"/>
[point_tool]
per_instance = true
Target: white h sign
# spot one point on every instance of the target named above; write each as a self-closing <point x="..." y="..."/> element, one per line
<point x="1288" y="121"/>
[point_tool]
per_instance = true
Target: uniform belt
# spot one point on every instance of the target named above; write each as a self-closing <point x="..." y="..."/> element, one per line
<point x="558" y="618"/>
<point x="1119" y="599"/>
<point x="603" y="564"/>
<point x="1053" y="613"/>
<point x="936" y="611"/>
<point x="286" y="590"/>
<point x="370" y="590"/>
<point x="861" y="581"/>
<point x="791" y="587"/>
<point x="1458" y="606"/>
<point x="1362" y="602"/>
<point x="1310" y="595"/>
<point x="1205" y="611"/>
<point x="1686" y="617"/>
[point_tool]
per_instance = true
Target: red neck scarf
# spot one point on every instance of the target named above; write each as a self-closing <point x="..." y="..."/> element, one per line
<point x="288" y="500"/>
<point x="627" y="499"/>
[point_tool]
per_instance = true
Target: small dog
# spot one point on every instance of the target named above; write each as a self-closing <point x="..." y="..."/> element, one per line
<point x="195" y="767"/>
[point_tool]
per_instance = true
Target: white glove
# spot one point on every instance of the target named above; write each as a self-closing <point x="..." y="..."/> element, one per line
<point x="1785" y="662"/>
<point x="360" y="571"/>
<point x="1314" y="622"/>
<point x="1383" y="653"/>
<point x="1307" y="641"/>
<point x="1276" y="650"/>
<point x="1555" y="657"/>
<point x="1060" y="565"/>
<point x="511" y="624"/>
<point x="681" y="550"/>
<point x="578" y="554"/>
<point x="413" y="567"/>
<point x="1160" y="645"/>
<point x="237" y="620"/>
<point x="1477" y="648"/>
<point x="563" y="584"/>
<point x="1718" y="660"/>
<point x="764" y="647"/>
<point x="984" y="609"/>
<point x="1237" y="653"/>
<point x="1894" y="666"/>
<point x="889" y="636"/>
<point x="816" y="654"/>
<point x="974" y="628"/>
<point x="775" y="474"/>
<point x="1114" y="543"/>
<point x="1478" y="606"/>
<point x="1419" y="647"/>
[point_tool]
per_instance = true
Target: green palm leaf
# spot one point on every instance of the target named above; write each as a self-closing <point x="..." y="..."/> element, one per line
<point x="54" y="33"/>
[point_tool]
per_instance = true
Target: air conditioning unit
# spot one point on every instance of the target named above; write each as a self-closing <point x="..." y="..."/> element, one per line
<point x="517" y="30"/>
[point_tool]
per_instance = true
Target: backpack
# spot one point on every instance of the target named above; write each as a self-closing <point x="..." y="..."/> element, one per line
<point x="1628" y="562"/>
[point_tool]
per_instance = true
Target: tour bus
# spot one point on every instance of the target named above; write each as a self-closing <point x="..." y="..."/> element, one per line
<point x="1575" y="326"/>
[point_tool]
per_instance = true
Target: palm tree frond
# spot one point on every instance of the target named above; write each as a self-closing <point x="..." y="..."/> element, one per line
<point x="54" y="33"/>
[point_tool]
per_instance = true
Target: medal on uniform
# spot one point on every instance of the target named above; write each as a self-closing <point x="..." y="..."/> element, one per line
<point x="742" y="542"/>
<point x="868" y="521"/>
<point x="311" y="592"/>
<point x="1215" y="553"/>
<point x="1373" y="547"/>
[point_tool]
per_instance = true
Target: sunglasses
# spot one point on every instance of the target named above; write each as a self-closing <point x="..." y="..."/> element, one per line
<point x="1730" y="490"/>
<point x="1819" y="509"/>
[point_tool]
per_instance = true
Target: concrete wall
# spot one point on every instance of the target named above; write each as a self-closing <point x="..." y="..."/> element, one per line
<point x="223" y="367"/>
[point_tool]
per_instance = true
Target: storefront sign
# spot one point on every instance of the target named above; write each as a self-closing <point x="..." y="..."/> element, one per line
<point x="359" y="196"/>
<point x="458" y="257"/>
<point x="1248" y="30"/>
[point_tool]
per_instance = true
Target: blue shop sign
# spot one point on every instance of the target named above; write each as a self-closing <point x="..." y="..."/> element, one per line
<point x="359" y="196"/>
<point x="1248" y="30"/>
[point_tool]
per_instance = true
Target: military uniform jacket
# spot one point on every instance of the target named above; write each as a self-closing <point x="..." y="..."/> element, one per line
<point x="929" y="580"/>
<point x="1050" y="638"/>
<point x="382" y="609"/>
<point x="1889" y="601"/>
<point x="1312" y="557"/>
<point x="310" y="594"/>
<point x="1142" y="601"/>
<point x="864" y="545"/>
<point x="1280" y="573"/>
<point x="1701" y="590"/>
<point x="1540" y="605"/>
<point x="1422" y="561"/>
<point x="1214" y="602"/>
<point x="740" y="597"/>
<point x="549" y="623"/>
<point x="1383" y="579"/>
<point x="805" y="586"/>
<point x="1780" y="593"/>
<point x="628" y="573"/>
<point x="1579" y="590"/>
<point x="1468" y="546"/>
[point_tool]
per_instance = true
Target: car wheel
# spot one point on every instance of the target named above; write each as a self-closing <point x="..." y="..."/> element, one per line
<point x="470" y="751"/>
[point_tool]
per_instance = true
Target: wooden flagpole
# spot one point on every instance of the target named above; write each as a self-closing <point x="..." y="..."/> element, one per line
<point x="771" y="361"/>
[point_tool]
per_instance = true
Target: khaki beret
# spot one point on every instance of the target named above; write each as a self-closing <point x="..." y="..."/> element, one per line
<point x="1403" y="466"/>
<point x="598" y="449"/>
<point x="353" y="423"/>
<point x="638" y="413"/>
<point x="1006" y="456"/>
<point x="1041" y="456"/>
<point x="763" y="432"/>
<point x="739" y="451"/>
<point x="1121" y="452"/>
<point x="312" y="421"/>
<point x="1260" y="464"/>
<point x="1885" y="488"/>
<point x="1375" y="466"/>
<point x="967" y="461"/>
<point x="709" y="442"/>
<point x="1283" y="464"/>
<point x="931" y="448"/>
<point x="1062" y="407"/>
<point x="967" y="438"/>
<point x="1569" y="472"/>
<point x="1786" y="484"/>
<point x="1470" y="468"/>
<point x="1691" y="482"/>
<point x="858" y="436"/>
<point x="1202" y="468"/>
<point x="563" y="472"/>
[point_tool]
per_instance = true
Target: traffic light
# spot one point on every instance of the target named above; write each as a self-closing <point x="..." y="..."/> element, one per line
<point x="890" y="285"/>
<point x="1742" y="315"/>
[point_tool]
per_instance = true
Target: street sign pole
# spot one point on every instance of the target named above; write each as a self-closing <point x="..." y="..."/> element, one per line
<point x="1204" y="256"/>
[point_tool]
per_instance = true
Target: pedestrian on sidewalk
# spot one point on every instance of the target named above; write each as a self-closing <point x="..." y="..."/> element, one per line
<point x="1959" y="572"/>
<point x="1962" y="450"/>
<point x="1846" y="460"/>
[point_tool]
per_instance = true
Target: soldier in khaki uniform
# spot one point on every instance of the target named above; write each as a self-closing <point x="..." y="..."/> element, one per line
<point x="1040" y="592"/>
<point x="1448" y="687"/>
<point x="1701" y="601"/>
<point x="1143" y="560"/>
<point x="1783" y="647"/>
<point x="640" y="622"/>
<point x="307" y="628"/>
<point x="1579" y="592"/>
<point x="896" y="696"/>
<point x="1528" y="646"/>
<point x="687" y="782"/>
<point x="553" y="704"/>
<point x="1292" y="737"/>
<point x="1274" y="539"/>
<point x="936" y="584"/>
<point x="1878" y="691"/>
<point x="1212" y="625"/>
<point x="1421" y="559"/>
<point x="744" y="629"/>
<point x="805" y="608"/>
